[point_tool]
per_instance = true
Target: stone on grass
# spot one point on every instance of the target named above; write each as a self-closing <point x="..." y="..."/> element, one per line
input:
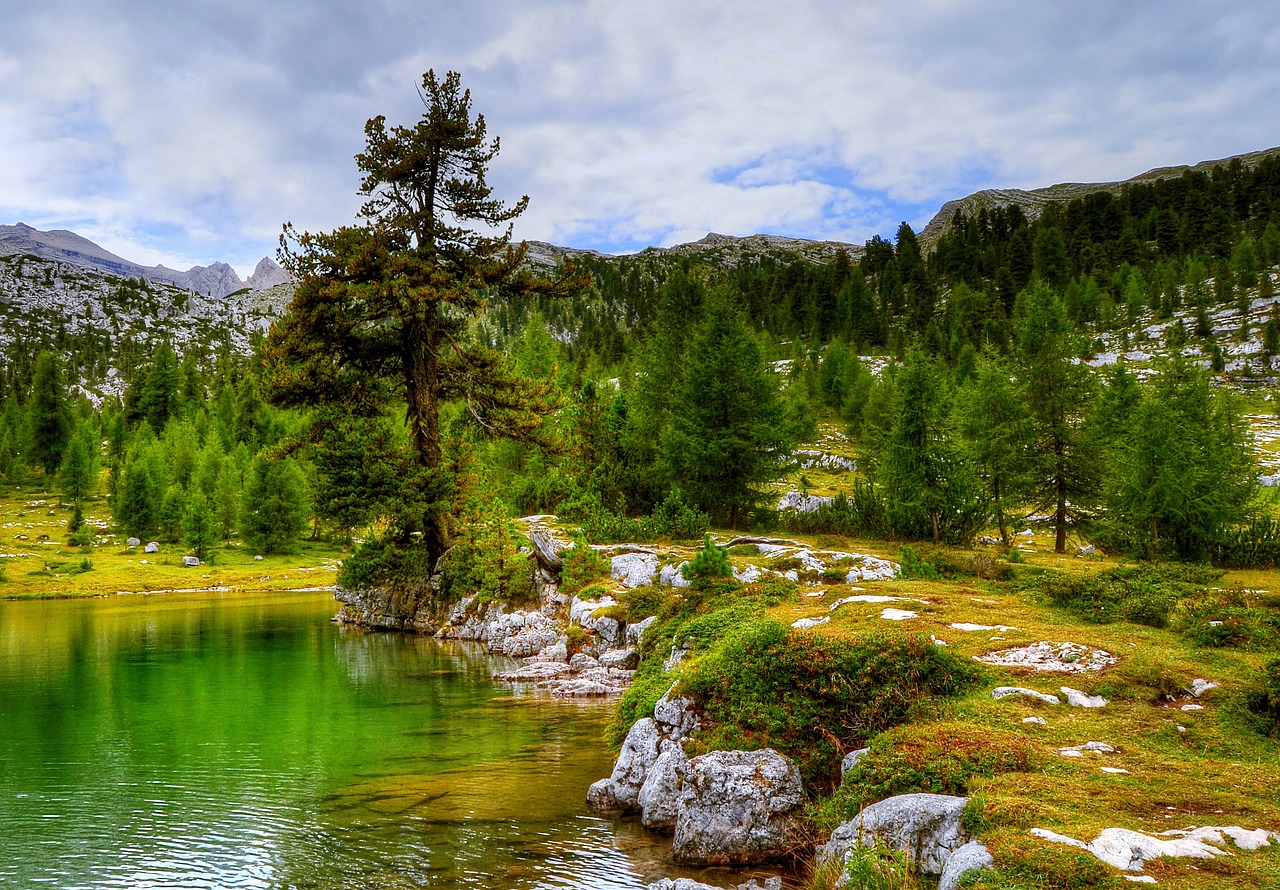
<point x="1199" y="687"/>
<point x="1063" y="658"/>
<point x="1130" y="850"/>
<point x="1087" y="748"/>
<point x="898" y="615"/>
<point x="1005" y="691"/>
<point x="152" y="547"/>
<point x="924" y="826"/>
<point x="973" y="856"/>
<point x="737" y="808"/>
<point x="1078" y="699"/>
<point x="851" y="760"/>
<point x="634" y="569"/>
<point x="133" y="542"/>
<point x="676" y="715"/>
<point x="191" y="561"/>
<point x="807" y="623"/>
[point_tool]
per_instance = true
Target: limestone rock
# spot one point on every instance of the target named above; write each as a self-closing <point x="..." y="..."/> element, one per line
<point x="660" y="795"/>
<point x="798" y="502"/>
<point x="1066" y="658"/>
<point x="1078" y="699"/>
<point x="1131" y="850"/>
<point x="152" y="547"/>
<point x="190" y="561"/>
<point x="851" y="760"/>
<point x="634" y="569"/>
<point x="673" y="576"/>
<point x="639" y="752"/>
<point x="737" y="808"/>
<point x="973" y="856"/>
<point x="635" y="631"/>
<point x="924" y="826"/>
<point x="133" y="542"/>
<point x="1005" y="691"/>
<point x="622" y="659"/>
<point x="676" y="715"/>
<point x="680" y="884"/>
<point x="807" y="623"/>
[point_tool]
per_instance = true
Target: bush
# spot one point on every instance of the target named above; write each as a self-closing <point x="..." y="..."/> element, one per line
<point x="936" y="758"/>
<point x="582" y="565"/>
<point x="672" y="519"/>
<point x="1144" y="594"/>
<point x="913" y="568"/>
<point x="709" y="562"/>
<point x="1228" y="618"/>
<point x="1263" y="701"/>
<point x="811" y="696"/>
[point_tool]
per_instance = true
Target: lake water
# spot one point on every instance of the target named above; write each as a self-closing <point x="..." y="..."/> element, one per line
<point x="191" y="741"/>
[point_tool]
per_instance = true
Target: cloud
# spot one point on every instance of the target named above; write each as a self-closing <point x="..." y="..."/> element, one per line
<point x="189" y="133"/>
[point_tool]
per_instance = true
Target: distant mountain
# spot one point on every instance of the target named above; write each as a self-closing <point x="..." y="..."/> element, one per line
<point x="217" y="280"/>
<point x="1034" y="201"/>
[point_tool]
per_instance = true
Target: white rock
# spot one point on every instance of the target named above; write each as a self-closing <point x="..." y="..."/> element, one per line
<point x="634" y="569"/>
<point x="672" y="576"/>
<point x="635" y="632"/>
<point x="1199" y="687"/>
<point x="925" y="826"/>
<point x="660" y="795"/>
<point x="191" y="561"/>
<point x="973" y="856"/>
<point x="851" y="760"/>
<point x="1005" y="691"/>
<point x="898" y="615"/>
<point x="152" y="547"/>
<point x="1114" y="770"/>
<point x="676" y="715"/>
<point x="798" y="502"/>
<point x="1068" y="658"/>
<point x="1078" y="699"/>
<point x="806" y="623"/>
<point x="1087" y="748"/>
<point x="1037" y="720"/>
<point x="969" y="628"/>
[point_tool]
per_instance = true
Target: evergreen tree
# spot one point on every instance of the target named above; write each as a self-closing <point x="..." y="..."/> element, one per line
<point x="1058" y="391"/>
<point x="160" y="397"/>
<point x="48" y="415"/>
<point x="925" y="482"/>
<point x="728" y="436"/>
<point x="141" y="490"/>
<point x="1183" y="468"/>
<point x="275" y="505"/>
<point x="382" y="311"/>
<point x="200" y="528"/>
<point x="78" y="474"/>
<point x="996" y="426"/>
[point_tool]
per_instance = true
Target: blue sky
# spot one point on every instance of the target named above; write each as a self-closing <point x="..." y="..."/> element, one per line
<point x="189" y="133"/>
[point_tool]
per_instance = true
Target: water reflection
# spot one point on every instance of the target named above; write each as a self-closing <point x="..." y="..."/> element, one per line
<point x="209" y="740"/>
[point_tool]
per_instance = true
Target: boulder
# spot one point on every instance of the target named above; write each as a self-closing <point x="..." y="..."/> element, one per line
<point x="680" y="884"/>
<point x="610" y="630"/>
<point x="133" y="542"/>
<point x="851" y="760"/>
<point x="1078" y="699"/>
<point x="634" y="569"/>
<point x="621" y="659"/>
<point x="191" y="561"/>
<point x="973" y="856"/>
<point x="673" y="576"/>
<point x="660" y="795"/>
<point x="583" y="662"/>
<point x="676" y="716"/>
<point x="639" y="751"/>
<point x="737" y="808"/>
<point x="152" y="547"/>
<point x="1005" y="691"/>
<point x="924" y="826"/>
<point x="799" y="502"/>
<point x="635" y="631"/>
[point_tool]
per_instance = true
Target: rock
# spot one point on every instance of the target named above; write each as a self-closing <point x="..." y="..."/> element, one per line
<point x="898" y="615"/>
<point x="581" y="661"/>
<point x="973" y="856"/>
<point x="1087" y="550"/>
<point x="871" y="568"/>
<point x="635" y="632"/>
<point x="538" y="671"/>
<point x="660" y="795"/>
<point x="865" y="598"/>
<point x="680" y="884"/>
<point x="133" y="542"/>
<point x="152" y="547"/>
<point x="851" y="760"/>
<point x="672" y="576"/>
<point x="1199" y="687"/>
<point x="1005" y="691"/>
<point x="969" y="628"/>
<point x="537" y="633"/>
<point x="610" y="630"/>
<point x="1039" y="721"/>
<point x="634" y="569"/>
<point x="748" y="574"/>
<point x="580" y="611"/>
<point x="191" y="561"/>
<point x="1078" y="699"/>
<point x="676" y="656"/>
<point x="622" y="659"/>
<point x="807" y="623"/>
<point x="1067" y="658"/>
<point x="737" y="808"/>
<point x="257" y="559"/>
<point x="924" y="826"/>
<point x="676" y="716"/>
<point x="1131" y="850"/>
<point x="639" y="751"/>
<point x="1087" y="748"/>
<point x="798" y="502"/>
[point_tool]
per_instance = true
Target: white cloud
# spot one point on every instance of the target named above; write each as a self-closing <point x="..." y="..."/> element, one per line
<point x="190" y="133"/>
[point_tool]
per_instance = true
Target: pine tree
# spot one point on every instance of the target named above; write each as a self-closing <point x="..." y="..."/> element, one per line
<point x="48" y="415"/>
<point x="200" y="528"/>
<point x="78" y="474"/>
<point x="140" y="492"/>
<point x="382" y="311"/>
<point x="160" y="397"/>
<point x="275" y="505"/>
<point x="728" y="437"/>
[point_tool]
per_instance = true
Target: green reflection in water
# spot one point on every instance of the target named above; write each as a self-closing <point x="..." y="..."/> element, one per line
<point x="235" y="741"/>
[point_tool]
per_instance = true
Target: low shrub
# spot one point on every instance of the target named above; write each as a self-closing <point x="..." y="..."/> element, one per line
<point x="940" y="758"/>
<point x="709" y="562"/>
<point x="811" y="696"/>
<point x="582" y="565"/>
<point x="673" y="519"/>
<point x="1263" y="701"/>
<point x="1229" y="618"/>
<point x="1144" y="594"/>
<point x="913" y="568"/>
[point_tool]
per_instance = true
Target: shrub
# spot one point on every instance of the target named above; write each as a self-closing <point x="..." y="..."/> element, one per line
<point x="582" y="564"/>
<point x="811" y="696"/>
<point x="1263" y="701"/>
<point x="916" y="569"/>
<point x="709" y="562"/>
<point x="1144" y="594"/>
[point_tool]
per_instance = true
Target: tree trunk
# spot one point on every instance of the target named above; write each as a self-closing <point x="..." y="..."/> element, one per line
<point x="1060" y="514"/>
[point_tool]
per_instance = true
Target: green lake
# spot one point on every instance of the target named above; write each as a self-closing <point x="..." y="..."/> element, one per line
<point x="190" y="741"/>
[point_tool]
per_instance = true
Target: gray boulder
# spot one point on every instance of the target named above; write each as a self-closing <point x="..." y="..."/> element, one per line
<point x="152" y="547"/>
<point x="676" y="716"/>
<point x="973" y="856"/>
<point x="660" y="796"/>
<point x="851" y="760"/>
<point x="924" y="826"/>
<point x="680" y="884"/>
<point x="191" y="561"/>
<point x="621" y="659"/>
<point x="634" y="569"/>
<point x="621" y="791"/>
<point x="1005" y="691"/>
<point x="635" y="632"/>
<point x="737" y="808"/>
<point x="133" y="542"/>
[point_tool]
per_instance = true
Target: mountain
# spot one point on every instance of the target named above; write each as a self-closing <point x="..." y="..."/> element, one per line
<point x="217" y="280"/>
<point x="1034" y="201"/>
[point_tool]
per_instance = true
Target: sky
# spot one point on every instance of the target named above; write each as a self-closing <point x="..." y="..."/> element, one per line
<point x="188" y="133"/>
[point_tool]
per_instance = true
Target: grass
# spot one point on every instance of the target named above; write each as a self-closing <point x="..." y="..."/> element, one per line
<point x="36" y="561"/>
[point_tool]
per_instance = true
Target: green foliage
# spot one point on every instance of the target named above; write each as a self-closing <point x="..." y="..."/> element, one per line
<point x="858" y="512"/>
<point x="811" y="696"/>
<point x="486" y="560"/>
<point x="582" y="565"/>
<point x="673" y="519"/>
<point x="1263" y="701"/>
<point x="1228" y="618"/>
<point x="1143" y="594"/>
<point x="913" y="568"/>
<point x="49" y="420"/>
<point x="935" y="758"/>
<point x="275" y="505"/>
<point x="141" y="489"/>
<point x="200" y="528"/>
<point x="709" y="562"/>
<point x="77" y="476"/>
<point x="880" y="867"/>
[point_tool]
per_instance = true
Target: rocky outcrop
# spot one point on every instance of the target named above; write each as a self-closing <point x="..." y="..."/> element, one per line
<point x="675" y="719"/>
<point x="973" y="856"/>
<point x="1131" y="850"/>
<point x="659" y="798"/>
<point x="621" y="791"/>
<point x="924" y="826"/>
<point x="737" y="808"/>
